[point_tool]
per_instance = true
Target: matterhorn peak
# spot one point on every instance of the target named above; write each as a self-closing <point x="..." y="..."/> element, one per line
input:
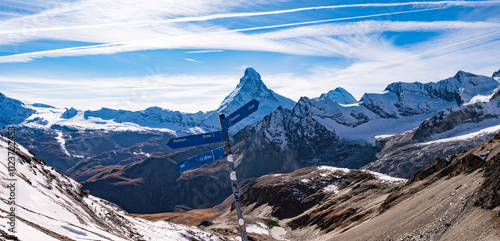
<point x="251" y="74"/>
<point x="252" y="81"/>
<point x="250" y="87"/>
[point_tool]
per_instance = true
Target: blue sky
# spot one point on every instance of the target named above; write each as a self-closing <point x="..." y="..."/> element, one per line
<point x="188" y="55"/>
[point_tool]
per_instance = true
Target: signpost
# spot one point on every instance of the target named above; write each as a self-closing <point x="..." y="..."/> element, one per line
<point x="200" y="160"/>
<point x="219" y="153"/>
<point x="239" y="114"/>
<point x="196" y="140"/>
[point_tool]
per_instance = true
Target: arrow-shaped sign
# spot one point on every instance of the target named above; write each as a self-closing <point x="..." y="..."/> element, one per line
<point x="200" y="160"/>
<point x="218" y="153"/>
<point x="240" y="113"/>
<point x="195" y="140"/>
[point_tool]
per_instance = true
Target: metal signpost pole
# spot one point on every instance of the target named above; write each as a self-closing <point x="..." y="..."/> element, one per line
<point x="234" y="182"/>
<point x="218" y="153"/>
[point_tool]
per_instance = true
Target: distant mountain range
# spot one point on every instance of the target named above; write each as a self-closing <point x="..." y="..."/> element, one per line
<point x="367" y="134"/>
<point x="40" y="116"/>
<point x="397" y="132"/>
<point x="82" y="143"/>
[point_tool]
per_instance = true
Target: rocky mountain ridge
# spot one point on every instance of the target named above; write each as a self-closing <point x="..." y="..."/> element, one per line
<point x="322" y="131"/>
<point x="454" y="198"/>
<point x="401" y="108"/>
<point x="320" y="196"/>
<point x="448" y="132"/>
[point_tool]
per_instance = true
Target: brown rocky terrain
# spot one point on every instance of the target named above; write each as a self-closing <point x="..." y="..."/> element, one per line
<point x="324" y="196"/>
<point x="455" y="198"/>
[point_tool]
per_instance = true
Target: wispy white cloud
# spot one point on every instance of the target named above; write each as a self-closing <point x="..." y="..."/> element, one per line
<point x="167" y="25"/>
<point x="370" y="26"/>
<point x="234" y="40"/>
<point x="192" y="60"/>
<point x="205" y="51"/>
<point x="424" y="4"/>
<point x="469" y="50"/>
<point x="423" y="62"/>
<point x="107" y="22"/>
<point x="374" y="61"/>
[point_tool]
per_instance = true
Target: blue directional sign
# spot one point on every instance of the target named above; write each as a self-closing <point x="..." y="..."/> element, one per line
<point x="218" y="153"/>
<point x="195" y="140"/>
<point x="240" y="113"/>
<point x="200" y="160"/>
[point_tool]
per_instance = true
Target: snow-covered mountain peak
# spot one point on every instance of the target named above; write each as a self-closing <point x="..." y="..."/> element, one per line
<point x="496" y="74"/>
<point x="250" y="87"/>
<point x="69" y="113"/>
<point x="9" y="102"/>
<point x="251" y="74"/>
<point x="461" y="74"/>
<point x="461" y="88"/>
<point x="12" y="111"/>
<point x="339" y="95"/>
<point x="303" y="107"/>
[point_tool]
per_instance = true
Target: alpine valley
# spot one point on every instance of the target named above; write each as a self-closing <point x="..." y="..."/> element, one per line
<point x="51" y="206"/>
<point x="329" y="167"/>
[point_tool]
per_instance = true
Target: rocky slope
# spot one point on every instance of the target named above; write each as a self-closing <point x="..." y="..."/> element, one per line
<point x="50" y="206"/>
<point x="455" y="198"/>
<point x="325" y="197"/>
<point x="83" y="154"/>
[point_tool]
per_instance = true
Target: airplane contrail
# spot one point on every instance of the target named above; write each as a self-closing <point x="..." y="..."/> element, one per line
<point x="442" y="4"/>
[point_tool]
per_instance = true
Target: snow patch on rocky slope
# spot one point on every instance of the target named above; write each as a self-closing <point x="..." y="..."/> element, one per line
<point x="51" y="206"/>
